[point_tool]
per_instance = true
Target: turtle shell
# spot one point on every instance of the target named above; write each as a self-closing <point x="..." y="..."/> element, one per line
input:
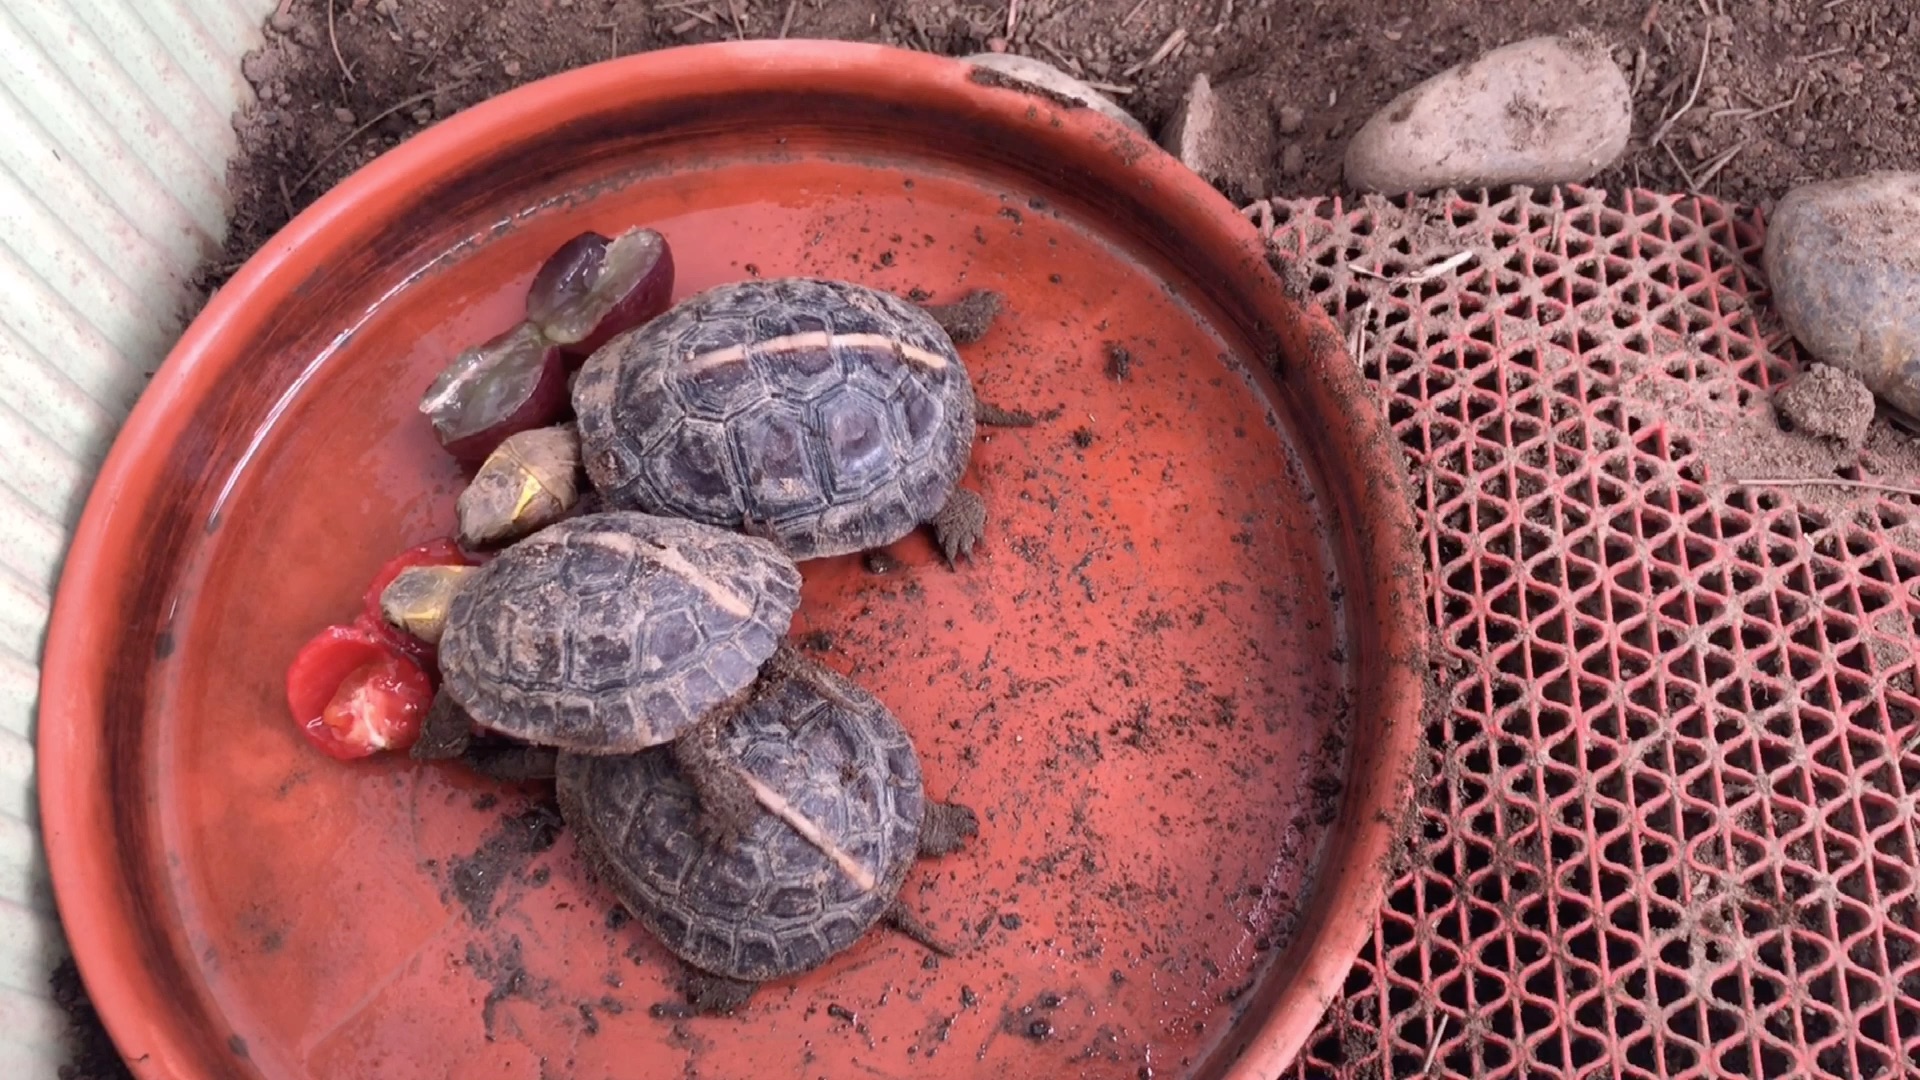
<point x="776" y="904"/>
<point x="830" y="416"/>
<point x="611" y="632"/>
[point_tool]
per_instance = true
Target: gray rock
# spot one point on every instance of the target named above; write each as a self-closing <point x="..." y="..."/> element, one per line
<point x="1047" y="77"/>
<point x="1194" y="128"/>
<point x="1546" y="110"/>
<point x="1223" y="136"/>
<point x="1843" y="260"/>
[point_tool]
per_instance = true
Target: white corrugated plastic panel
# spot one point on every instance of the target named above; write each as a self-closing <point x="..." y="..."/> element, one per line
<point x="115" y="132"/>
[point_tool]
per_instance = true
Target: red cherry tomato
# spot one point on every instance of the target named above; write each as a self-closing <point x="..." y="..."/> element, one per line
<point x="437" y="552"/>
<point x="354" y="694"/>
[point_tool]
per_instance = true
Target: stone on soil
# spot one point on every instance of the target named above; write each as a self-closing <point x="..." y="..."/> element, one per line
<point x="1546" y="110"/>
<point x="1047" y="77"/>
<point x="1224" y="136"/>
<point x="1194" y="126"/>
<point x="1843" y="261"/>
<point x="1828" y="403"/>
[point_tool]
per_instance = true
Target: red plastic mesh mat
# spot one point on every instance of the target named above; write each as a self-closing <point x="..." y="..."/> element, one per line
<point x="1671" y="820"/>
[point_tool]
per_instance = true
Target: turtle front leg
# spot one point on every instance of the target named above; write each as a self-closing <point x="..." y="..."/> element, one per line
<point x="967" y="319"/>
<point x="445" y="733"/>
<point x="726" y="799"/>
<point x="960" y="524"/>
<point x="710" y="993"/>
<point x="946" y="827"/>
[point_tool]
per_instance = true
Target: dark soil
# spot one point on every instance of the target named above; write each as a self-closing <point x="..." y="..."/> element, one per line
<point x="91" y="1049"/>
<point x="507" y="851"/>
<point x="1827" y="403"/>
<point x="1792" y="453"/>
<point x="505" y="975"/>
<point x="1804" y="89"/>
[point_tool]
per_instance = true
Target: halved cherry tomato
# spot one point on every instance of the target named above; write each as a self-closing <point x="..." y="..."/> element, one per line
<point x="438" y="552"/>
<point x="354" y="694"/>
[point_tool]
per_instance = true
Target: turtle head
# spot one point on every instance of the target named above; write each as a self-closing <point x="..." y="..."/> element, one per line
<point x="418" y="598"/>
<point x="530" y="481"/>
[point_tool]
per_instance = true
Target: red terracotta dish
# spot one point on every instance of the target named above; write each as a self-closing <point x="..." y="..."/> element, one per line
<point x="1181" y="679"/>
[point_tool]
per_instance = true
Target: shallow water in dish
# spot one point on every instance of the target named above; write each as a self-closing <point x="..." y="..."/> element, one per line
<point x="1136" y="682"/>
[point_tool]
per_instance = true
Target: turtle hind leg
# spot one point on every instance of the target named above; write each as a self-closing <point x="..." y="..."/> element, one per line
<point x="960" y="524"/>
<point x="899" y="918"/>
<point x="710" y="993"/>
<point x="726" y="801"/>
<point x="967" y="319"/>
<point x="446" y="732"/>
<point x="512" y="764"/>
<point x="946" y="827"/>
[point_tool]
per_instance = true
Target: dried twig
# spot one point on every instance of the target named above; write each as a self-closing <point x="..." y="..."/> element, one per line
<point x="1357" y="341"/>
<point x="1067" y="63"/>
<point x="1684" y="174"/>
<point x="1699" y="78"/>
<point x="739" y="19"/>
<point x="1778" y="106"/>
<point x="1446" y="265"/>
<point x="1433" y="1048"/>
<point x="1111" y="88"/>
<point x="1136" y="10"/>
<point x="1832" y="482"/>
<point x="786" y="21"/>
<point x="364" y="128"/>
<point x="1166" y="48"/>
<point x="427" y="64"/>
<point x="1713" y="167"/>
<point x="779" y="807"/>
<point x="1821" y="55"/>
<point x="335" y="39"/>
<point x="1013" y="16"/>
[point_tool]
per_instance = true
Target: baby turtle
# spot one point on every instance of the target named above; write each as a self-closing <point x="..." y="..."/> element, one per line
<point x="828" y="416"/>
<point x="612" y="632"/>
<point x="846" y="814"/>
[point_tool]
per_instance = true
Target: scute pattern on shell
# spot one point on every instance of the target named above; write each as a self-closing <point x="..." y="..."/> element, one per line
<point x="783" y="403"/>
<point x="776" y="905"/>
<point x="612" y="632"/>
